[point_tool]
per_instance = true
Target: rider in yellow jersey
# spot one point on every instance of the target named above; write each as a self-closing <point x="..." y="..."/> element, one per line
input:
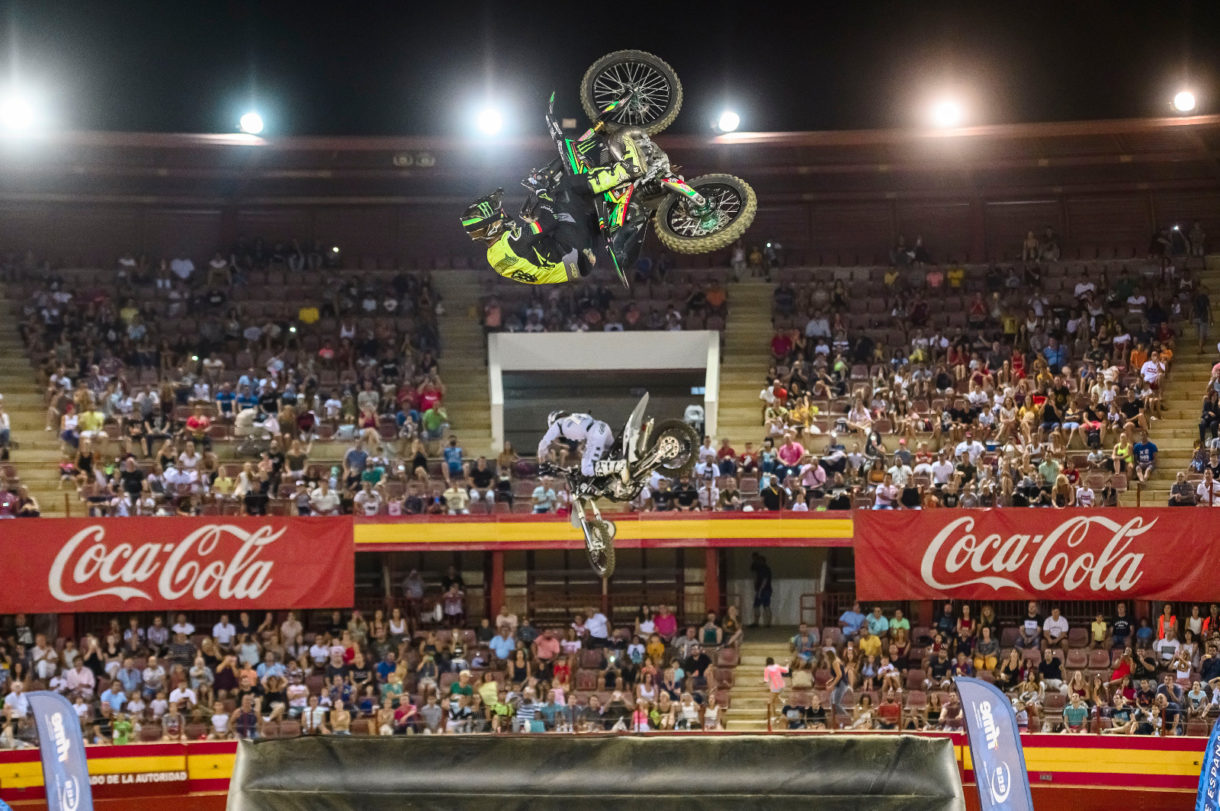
<point x="547" y="243"/>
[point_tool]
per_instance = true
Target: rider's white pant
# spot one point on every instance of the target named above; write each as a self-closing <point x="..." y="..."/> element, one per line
<point x="597" y="440"/>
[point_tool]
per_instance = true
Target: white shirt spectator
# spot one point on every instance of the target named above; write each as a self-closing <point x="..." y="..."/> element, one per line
<point x="18" y="703"/>
<point x="183" y="628"/>
<point x="368" y="502"/>
<point x="1152" y="370"/>
<point x="1167" y="649"/>
<point x="224" y="634"/>
<point x="942" y="471"/>
<point x="901" y="475"/>
<point x="1055" y="627"/>
<point x="1208" y="495"/>
<point x="1085" y="497"/>
<point x="183" y="692"/>
<point x="182" y="267"/>
<point x="1084" y="287"/>
<point x="324" y="503"/>
<point x="597" y="626"/>
<point x="972" y="447"/>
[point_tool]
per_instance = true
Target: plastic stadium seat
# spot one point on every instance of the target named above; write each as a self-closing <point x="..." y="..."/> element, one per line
<point x="915" y="678"/>
<point x="1099" y="660"/>
<point x="1078" y="637"/>
<point x="1077" y="659"/>
<point x="290" y="729"/>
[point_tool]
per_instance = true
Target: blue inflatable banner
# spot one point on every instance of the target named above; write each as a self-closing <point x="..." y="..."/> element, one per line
<point x="995" y="747"/>
<point x="64" y="770"/>
<point x="1208" y="798"/>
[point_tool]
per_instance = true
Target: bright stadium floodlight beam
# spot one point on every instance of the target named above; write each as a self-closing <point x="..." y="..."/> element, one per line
<point x="17" y="114"/>
<point x="728" y="121"/>
<point x="947" y="113"/>
<point x="251" y="123"/>
<point x="1184" y="101"/>
<point x="489" y="121"/>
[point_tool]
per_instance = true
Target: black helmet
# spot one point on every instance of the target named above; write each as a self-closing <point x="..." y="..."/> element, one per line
<point x="485" y="219"/>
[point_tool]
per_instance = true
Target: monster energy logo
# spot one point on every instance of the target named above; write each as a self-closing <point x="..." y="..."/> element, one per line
<point x="484" y="212"/>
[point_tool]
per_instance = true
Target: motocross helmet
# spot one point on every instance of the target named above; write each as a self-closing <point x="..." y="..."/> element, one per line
<point x="556" y="416"/>
<point x="484" y="219"/>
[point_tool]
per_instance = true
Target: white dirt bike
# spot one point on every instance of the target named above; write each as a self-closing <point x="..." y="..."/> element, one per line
<point x="645" y="446"/>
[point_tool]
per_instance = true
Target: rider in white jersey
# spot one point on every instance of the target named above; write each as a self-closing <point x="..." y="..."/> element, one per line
<point x="578" y="428"/>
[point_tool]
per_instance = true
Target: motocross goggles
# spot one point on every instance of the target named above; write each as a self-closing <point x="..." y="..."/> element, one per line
<point x="485" y="219"/>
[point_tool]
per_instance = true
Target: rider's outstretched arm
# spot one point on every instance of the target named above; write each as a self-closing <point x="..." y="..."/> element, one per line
<point x="544" y="444"/>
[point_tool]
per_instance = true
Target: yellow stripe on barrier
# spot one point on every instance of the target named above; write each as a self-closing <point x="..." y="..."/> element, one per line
<point x="561" y="530"/>
<point x="210" y="767"/>
<point x="1105" y="761"/>
<point x="29" y="774"/>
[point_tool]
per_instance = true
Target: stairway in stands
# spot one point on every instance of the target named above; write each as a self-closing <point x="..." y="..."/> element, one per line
<point x="749" y="697"/>
<point x="37" y="458"/>
<point x="463" y="361"/>
<point x="744" y="360"/>
<point x="1175" y="432"/>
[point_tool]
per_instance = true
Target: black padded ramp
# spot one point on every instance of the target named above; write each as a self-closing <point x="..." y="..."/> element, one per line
<point x="576" y="773"/>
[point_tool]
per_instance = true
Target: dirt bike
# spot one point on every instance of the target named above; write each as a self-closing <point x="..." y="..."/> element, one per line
<point x="645" y="446"/>
<point x="631" y="96"/>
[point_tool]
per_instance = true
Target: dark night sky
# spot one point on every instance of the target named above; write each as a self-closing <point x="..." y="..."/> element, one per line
<point x="406" y="67"/>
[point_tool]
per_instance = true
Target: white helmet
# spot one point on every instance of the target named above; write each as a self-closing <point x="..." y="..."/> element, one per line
<point x="556" y="416"/>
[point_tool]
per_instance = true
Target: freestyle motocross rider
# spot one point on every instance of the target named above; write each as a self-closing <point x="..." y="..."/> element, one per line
<point x="552" y="240"/>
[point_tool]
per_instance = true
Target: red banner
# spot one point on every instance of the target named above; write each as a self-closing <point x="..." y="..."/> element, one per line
<point x="1007" y="554"/>
<point x="137" y="564"/>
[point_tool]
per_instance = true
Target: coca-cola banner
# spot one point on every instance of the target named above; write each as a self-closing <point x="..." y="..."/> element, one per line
<point x="1157" y="553"/>
<point x="139" y="564"/>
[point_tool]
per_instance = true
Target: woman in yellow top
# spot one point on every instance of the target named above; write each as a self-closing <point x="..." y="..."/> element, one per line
<point x="1121" y="457"/>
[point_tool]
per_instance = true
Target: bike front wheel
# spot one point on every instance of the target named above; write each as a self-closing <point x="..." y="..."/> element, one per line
<point x="730" y="208"/>
<point x="650" y="86"/>
<point x="599" y="543"/>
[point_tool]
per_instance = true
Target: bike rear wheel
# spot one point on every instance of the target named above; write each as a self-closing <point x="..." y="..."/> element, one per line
<point x="731" y="206"/>
<point x="653" y="89"/>
<point x="678" y="445"/>
<point x="599" y="543"/>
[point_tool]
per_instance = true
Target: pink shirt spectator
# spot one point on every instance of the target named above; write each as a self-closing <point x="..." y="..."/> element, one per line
<point x="666" y="625"/>
<point x="773" y="675"/>
<point x="790" y="453"/>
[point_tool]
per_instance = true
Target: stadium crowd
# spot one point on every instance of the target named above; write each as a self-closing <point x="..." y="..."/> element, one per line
<point x="1025" y="385"/>
<point x="421" y="669"/>
<point x="1112" y="675"/>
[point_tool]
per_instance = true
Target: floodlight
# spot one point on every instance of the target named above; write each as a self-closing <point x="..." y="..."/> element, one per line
<point x="728" y="121"/>
<point x="947" y="113"/>
<point x="251" y="122"/>
<point x="1184" y="101"/>
<point x="489" y="121"/>
<point x="17" y="114"/>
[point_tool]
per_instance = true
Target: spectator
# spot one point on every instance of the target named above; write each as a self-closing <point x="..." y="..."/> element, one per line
<point x="1055" y="630"/>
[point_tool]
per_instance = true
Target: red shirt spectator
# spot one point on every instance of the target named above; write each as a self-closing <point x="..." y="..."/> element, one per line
<point x="781" y="345"/>
<point x="197" y="424"/>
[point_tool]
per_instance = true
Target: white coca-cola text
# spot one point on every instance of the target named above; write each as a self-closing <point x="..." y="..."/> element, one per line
<point x="195" y="566"/>
<point x="962" y="558"/>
